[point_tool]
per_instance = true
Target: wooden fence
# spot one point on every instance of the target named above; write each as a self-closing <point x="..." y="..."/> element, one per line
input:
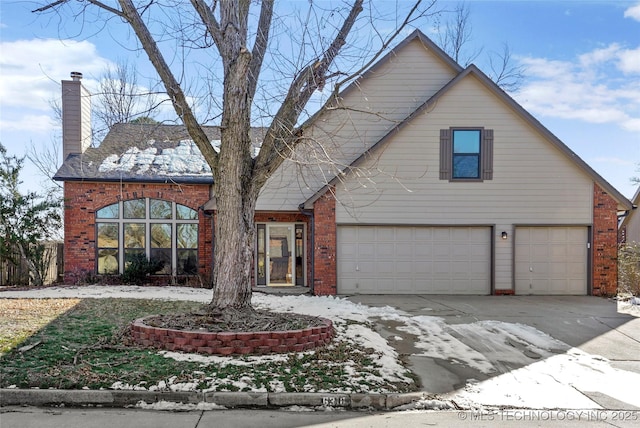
<point x="18" y="275"/>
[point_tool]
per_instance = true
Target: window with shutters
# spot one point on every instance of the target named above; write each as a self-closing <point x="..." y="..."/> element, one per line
<point x="466" y="154"/>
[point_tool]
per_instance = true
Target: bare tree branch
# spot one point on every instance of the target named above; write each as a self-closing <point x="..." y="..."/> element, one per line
<point x="209" y="20"/>
<point x="277" y="144"/>
<point x="260" y="45"/>
<point x="172" y="86"/>
<point x="509" y="77"/>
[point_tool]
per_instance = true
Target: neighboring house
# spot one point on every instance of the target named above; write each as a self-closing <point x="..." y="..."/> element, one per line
<point x="630" y="225"/>
<point x="430" y="180"/>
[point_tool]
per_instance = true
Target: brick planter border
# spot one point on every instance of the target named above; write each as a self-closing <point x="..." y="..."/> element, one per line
<point x="228" y="343"/>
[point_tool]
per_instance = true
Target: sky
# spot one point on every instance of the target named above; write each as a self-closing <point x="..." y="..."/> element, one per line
<point x="581" y="62"/>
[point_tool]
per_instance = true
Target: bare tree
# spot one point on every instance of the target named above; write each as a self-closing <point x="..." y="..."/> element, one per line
<point x="235" y="37"/>
<point x="120" y="99"/>
<point x="502" y="70"/>
<point x="455" y="38"/>
<point x="457" y="34"/>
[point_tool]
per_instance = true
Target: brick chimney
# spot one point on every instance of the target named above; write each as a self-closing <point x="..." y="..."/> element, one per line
<point x="76" y="116"/>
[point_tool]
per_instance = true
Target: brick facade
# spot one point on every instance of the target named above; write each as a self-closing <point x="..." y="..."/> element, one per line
<point x="325" y="269"/>
<point x="605" y="244"/>
<point x="82" y="199"/>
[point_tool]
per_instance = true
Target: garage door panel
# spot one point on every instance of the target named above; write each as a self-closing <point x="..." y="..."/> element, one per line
<point x="555" y="266"/>
<point x="365" y="251"/>
<point x="385" y="250"/>
<point x="423" y="260"/>
<point x="385" y="235"/>
<point x="405" y="251"/>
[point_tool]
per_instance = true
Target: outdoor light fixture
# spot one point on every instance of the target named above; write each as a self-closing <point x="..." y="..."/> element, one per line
<point x="504" y="235"/>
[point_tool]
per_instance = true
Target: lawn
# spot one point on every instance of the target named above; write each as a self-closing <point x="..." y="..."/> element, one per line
<point x="75" y="344"/>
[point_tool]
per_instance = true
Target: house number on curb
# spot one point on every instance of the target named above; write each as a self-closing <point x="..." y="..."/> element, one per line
<point x="334" y="401"/>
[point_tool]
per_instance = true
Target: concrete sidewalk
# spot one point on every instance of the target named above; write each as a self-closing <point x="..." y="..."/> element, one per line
<point x="31" y="417"/>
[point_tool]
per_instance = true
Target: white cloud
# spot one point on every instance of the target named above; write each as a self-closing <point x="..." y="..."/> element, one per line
<point x="32" y="69"/>
<point x="629" y="61"/>
<point x="601" y="86"/>
<point x="633" y="12"/>
<point x="34" y="123"/>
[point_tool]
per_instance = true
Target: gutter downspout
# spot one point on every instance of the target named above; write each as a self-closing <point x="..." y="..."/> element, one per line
<point x="309" y="213"/>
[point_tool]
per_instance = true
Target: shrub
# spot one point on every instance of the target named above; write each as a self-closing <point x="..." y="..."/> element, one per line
<point x="139" y="267"/>
<point x="629" y="268"/>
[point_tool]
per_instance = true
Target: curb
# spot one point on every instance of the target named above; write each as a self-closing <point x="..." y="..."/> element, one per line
<point x="124" y="398"/>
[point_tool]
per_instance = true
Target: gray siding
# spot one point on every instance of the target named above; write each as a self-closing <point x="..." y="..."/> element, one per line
<point x="533" y="182"/>
<point x="370" y="109"/>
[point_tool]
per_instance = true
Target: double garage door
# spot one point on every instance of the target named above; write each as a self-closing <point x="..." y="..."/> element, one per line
<point x="457" y="260"/>
<point x="414" y="260"/>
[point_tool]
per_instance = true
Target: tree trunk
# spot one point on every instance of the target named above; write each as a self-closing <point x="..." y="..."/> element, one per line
<point x="233" y="186"/>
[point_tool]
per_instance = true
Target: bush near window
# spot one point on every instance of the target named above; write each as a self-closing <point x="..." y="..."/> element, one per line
<point x="139" y="267"/>
<point x="629" y="268"/>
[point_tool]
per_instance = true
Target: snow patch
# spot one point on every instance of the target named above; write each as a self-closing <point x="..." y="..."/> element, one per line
<point x="185" y="159"/>
<point x="170" y="406"/>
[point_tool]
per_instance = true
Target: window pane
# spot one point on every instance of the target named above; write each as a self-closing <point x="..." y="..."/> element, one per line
<point x="187" y="262"/>
<point x="466" y="166"/>
<point x="467" y="141"/>
<point x="134" y="234"/>
<point x="299" y="254"/>
<point x="128" y="254"/>
<point x="187" y="235"/>
<point x="159" y="209"/>
<point x="107" y="235"/>
<point x="186" y="213"/>
<point x="160" y="236"/>
<point x="110" y="211"/>
<point x="107" y="261"/>
<point x="134" y="208"/>
<point x="262" y="250"/>
<point x="163" y="254"/>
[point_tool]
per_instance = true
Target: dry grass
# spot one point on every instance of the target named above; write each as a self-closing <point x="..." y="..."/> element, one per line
<point x="21" y="318"/>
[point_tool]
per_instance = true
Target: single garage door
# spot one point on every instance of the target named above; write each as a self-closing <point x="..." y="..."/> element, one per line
<point x="551" y="260"/>
<point x="414" y="260"/>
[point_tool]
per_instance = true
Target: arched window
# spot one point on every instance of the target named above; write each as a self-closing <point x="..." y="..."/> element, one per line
<point x="159" y="229"/>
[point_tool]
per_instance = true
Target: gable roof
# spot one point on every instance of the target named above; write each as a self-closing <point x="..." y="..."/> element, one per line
<point x="426" y="42"/>
<point x="145" y="152"/>
<point x="472" y="70"/>
<point x="636" y="201"/>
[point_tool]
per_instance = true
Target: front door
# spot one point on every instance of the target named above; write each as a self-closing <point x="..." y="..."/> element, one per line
<point x="280" y="254"/>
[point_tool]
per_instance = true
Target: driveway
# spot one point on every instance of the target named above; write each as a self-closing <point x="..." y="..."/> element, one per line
<point x="473" y="341"/>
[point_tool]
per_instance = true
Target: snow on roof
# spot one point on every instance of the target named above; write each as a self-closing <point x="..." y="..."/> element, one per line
<point x="181" y="160"/>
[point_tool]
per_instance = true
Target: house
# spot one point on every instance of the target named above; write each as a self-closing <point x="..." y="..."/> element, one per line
<point x="428" y="179"/>
<point x="630" y="225"/>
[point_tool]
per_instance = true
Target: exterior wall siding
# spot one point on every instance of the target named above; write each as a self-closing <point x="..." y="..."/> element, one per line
<point x="371" y="109"/>
<point x="630" y="227"/>
<point x="605" y="244"/>
<point x="82" y="199"/>
<point x="533" y="182"/>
